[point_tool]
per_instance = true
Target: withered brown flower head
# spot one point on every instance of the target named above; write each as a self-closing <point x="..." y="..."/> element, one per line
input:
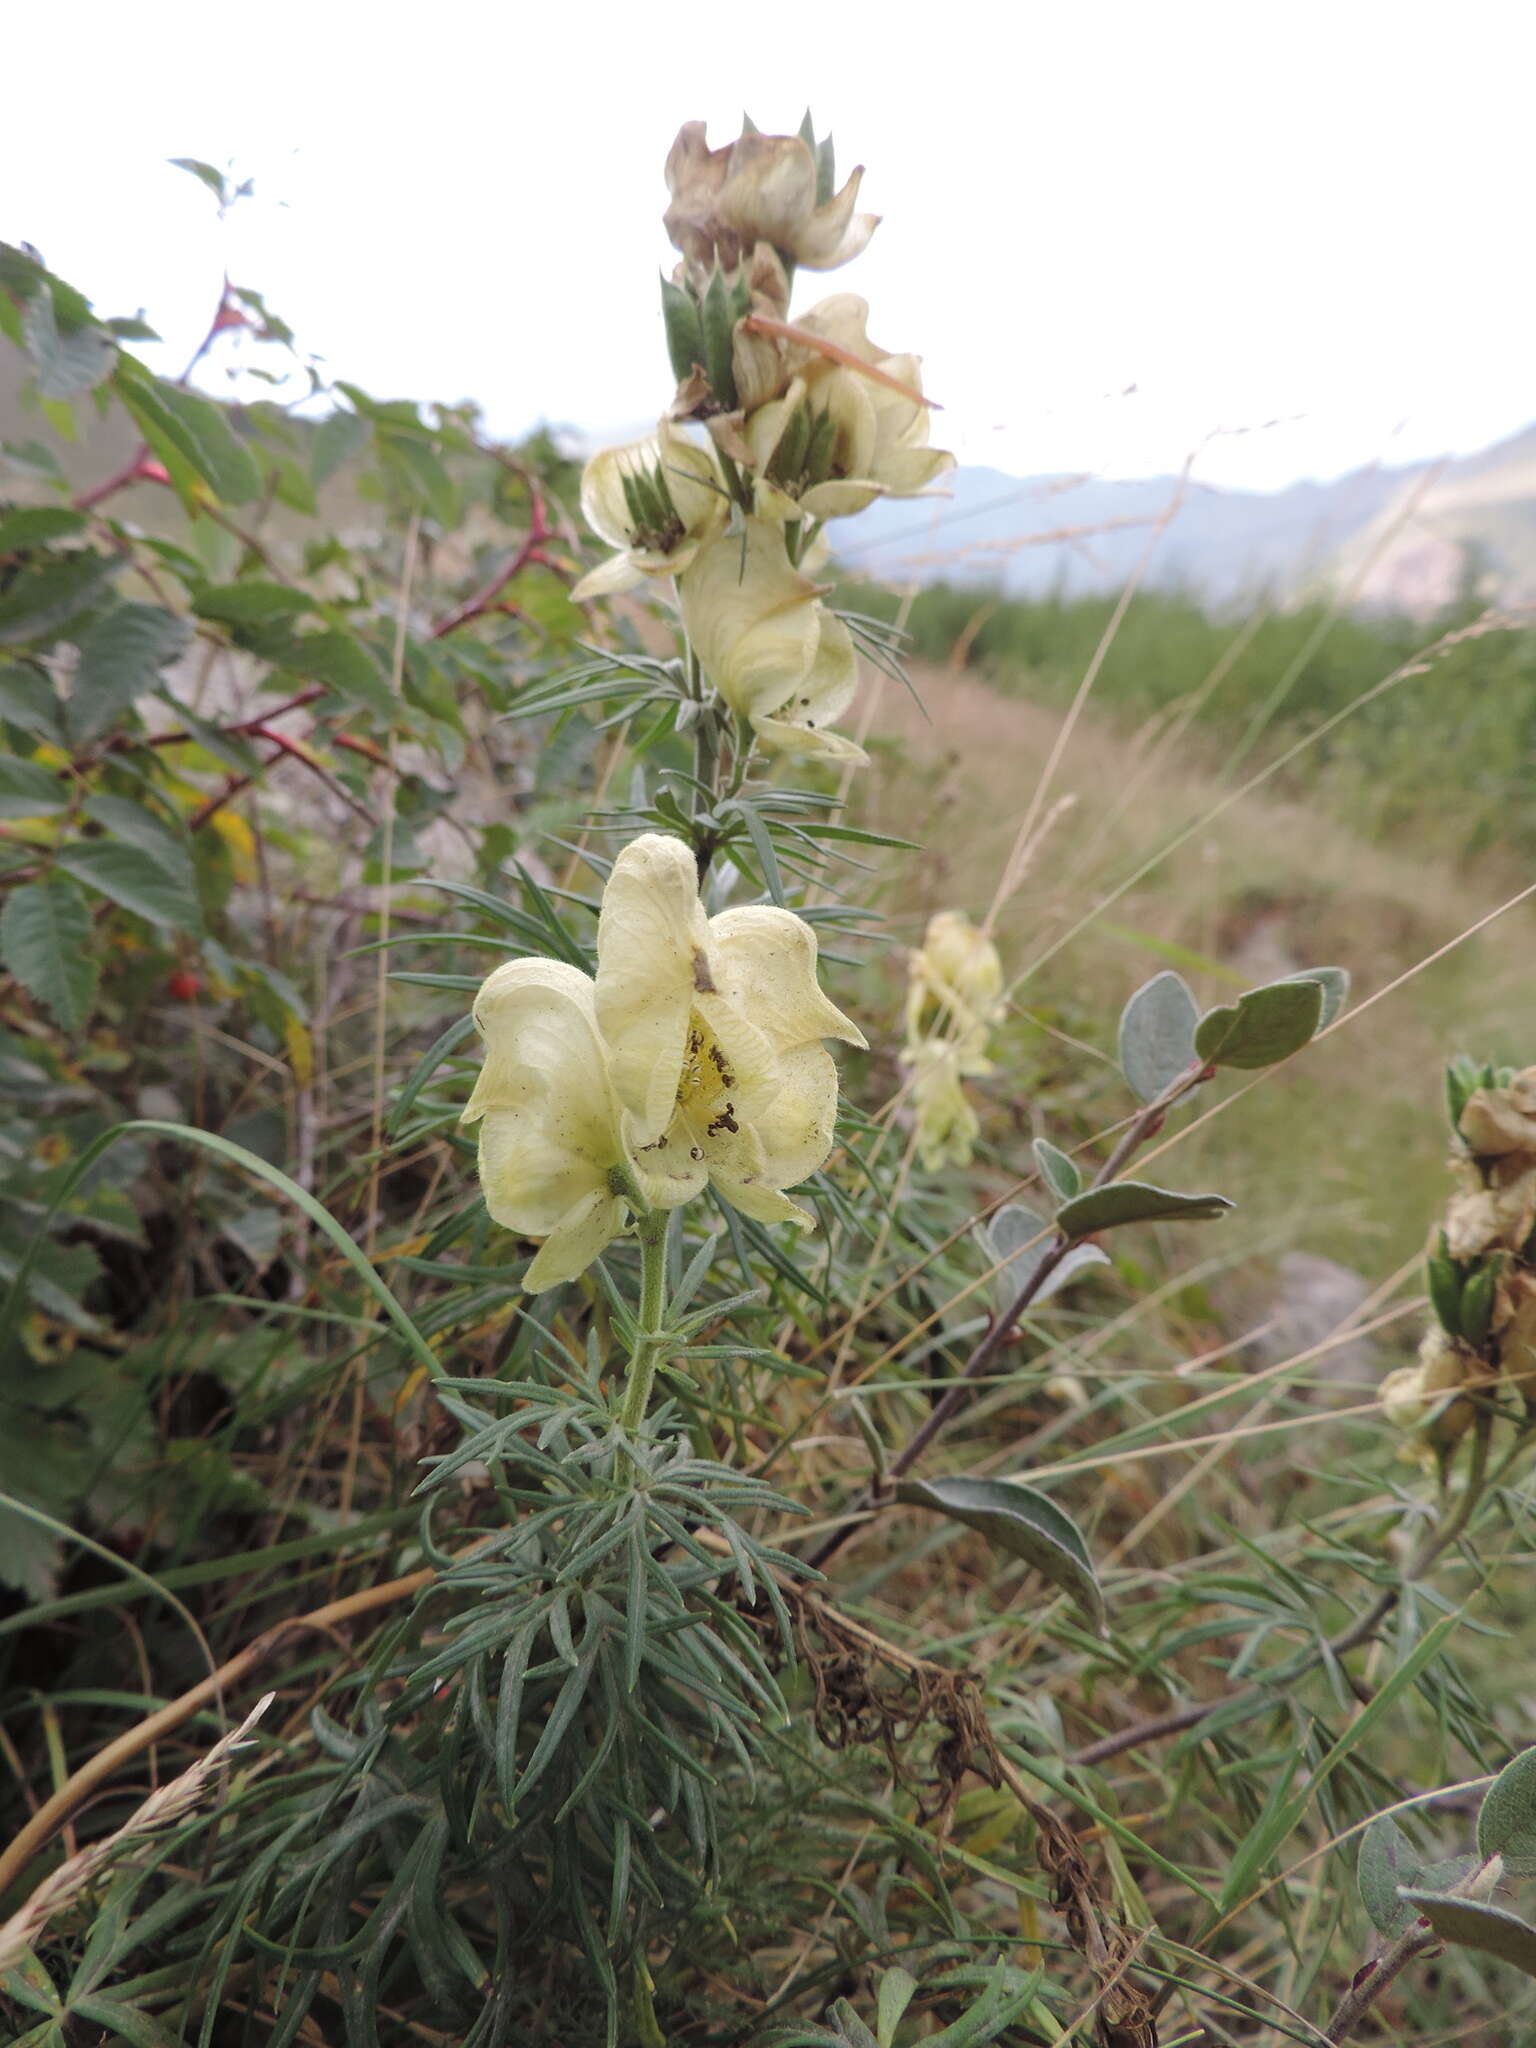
<point x="759" y="188"/>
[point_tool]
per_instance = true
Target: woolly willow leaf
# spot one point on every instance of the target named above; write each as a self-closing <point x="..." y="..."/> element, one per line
<point x="1157" y="1034"/>
<point x="1132" y="1201"/>
<point x="1388" y="1861"/>
<point x="1506" y="1823"/>
<point x="1059" y="1173"/>
<point x="1263" y="1027"/>
<point x="1469" y="1923"/>
<point x="1016" y="1240"/>
<point x="1334" y="983"/>
<point x="897" y="1990"/>
<point x="1021" y="1521"/>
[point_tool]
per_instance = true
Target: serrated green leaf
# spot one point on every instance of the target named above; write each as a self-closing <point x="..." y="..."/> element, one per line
<point x="1470" y="1923"/>
<point x="1261" y="1028"/>
<point x="45" y="941"/>
<point x="1059" y="1173"/>
<point x="36" y="526"/>
<point x="1157" y="1034"/>
<point x="1133" y="1201"/>
<point x="1021" y="1521"/>
<point x="342" y="662"/>
<point x="338" y="438"/>
<point x="1506" y="1822"/>
<point x="29" y="700"/>
<point x="135" y="880"/>
<point x="254" y="602"/>
<point x="188" y="433"/>
<point x="67" y="360"/>
<point x="29" y="790"/>
<point x="122" y="654"/>
<point x="46" y="595"/>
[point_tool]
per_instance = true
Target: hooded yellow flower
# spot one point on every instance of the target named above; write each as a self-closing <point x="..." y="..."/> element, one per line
<point x="553" y="1156"/>
<point x="947" y="1126"/>
<point x="760" y="188"/>
<point x="695" y="1056"/>
<point x="657" y="501"/>
<point x="839" y="438"/>
<point x="715" y="1029"/>
<point x="955" y="989"/>
<point x="767" y="643"/>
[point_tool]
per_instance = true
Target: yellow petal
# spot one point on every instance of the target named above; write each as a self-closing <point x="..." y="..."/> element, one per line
<point x="580" y="1236"/>
<point x="652" y="958"/>
<point x="752" y="618"/>
<point x="795" y="1128"/>
<point x="608" y="579"/>
<point x="799" y="722"/>
<point x="765" y="966"/>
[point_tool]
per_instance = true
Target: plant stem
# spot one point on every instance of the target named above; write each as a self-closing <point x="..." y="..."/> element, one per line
<point x="651" y="1227"/>
<point x="1362" y="1995"/>
<point x="1142" y="1127"/>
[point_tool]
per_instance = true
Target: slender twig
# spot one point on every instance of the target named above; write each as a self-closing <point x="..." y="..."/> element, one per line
<point x="1143" y="1126"/>
<point x="1439" y="1539"/>
<point x="531" y="551"/>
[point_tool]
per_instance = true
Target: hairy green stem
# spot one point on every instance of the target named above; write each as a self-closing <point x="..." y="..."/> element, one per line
<point x="1362" y="1995"/>
<point x="651" y="1228"/>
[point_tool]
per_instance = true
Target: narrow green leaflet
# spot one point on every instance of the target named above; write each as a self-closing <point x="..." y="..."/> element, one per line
<point x="1157" y="1034"/>
<point x="191" y="435"/>
<point x="1263" y="1027"/>
<point x="1133" y="1201"/>
<point x="254" y="602"/>
<point x="121" y="655"/>
<point x="29" y="790"/>
<point x="1469" y="1923"/>
<point x="136" y="880"/>
<point x="1506" y="1824"/>
<point x="45" y="941"/>
<point x="1021" y="1521"/>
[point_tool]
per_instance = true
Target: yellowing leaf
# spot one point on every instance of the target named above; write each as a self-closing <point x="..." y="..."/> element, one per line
<point x="240" y="839"/>
<point x="300" y="1047"/>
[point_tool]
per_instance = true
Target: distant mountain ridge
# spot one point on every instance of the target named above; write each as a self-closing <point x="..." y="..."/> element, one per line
<point x="1404" y="537"/>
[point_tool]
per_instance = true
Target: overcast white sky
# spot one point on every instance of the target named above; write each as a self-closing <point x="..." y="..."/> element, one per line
<point x="1258" y="211"/>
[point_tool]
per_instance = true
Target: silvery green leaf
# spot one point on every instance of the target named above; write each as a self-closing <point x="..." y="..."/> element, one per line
<point x="1263" y="1027"/>
<point x="1157" y="1034"/>
<point x="1021" y="1521"/>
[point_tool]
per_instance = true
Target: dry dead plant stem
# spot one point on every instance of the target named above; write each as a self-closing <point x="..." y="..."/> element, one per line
<point x="54" y="1812"/>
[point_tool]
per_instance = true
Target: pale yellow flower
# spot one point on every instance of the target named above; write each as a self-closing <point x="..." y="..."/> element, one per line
<point x="657" y="501"/>
<point x="553" y="1155"/>
<point x="955" y="989"/>
<point x="838" y="439"/>
<point x="947" y="1126"/>
<point x="715" y="1028"/>
<point x="767" y="644"/>
<point x="760" y="188"/>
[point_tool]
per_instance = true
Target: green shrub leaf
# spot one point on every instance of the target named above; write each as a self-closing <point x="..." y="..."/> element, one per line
<point x="136" y="880"/>
<point x="189" y="434"/>
<point x="121" y="656"/>
<point x="45" y="941"/>
<point x="1388" y="1860"/>
<point x="1016" y="1240"/>
<point x="1157" y="1034"/>
<point x="1021" y="1521"/>
<point x="29" y="790"/>
<point x="1059" y="1173"/>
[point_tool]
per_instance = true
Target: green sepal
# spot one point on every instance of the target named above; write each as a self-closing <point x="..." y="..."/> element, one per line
<point x="717" y="318"/>
<point x="1444" y="1277"/>
<point x="1477" y="1299"/>
<point x="685" y="330"/>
